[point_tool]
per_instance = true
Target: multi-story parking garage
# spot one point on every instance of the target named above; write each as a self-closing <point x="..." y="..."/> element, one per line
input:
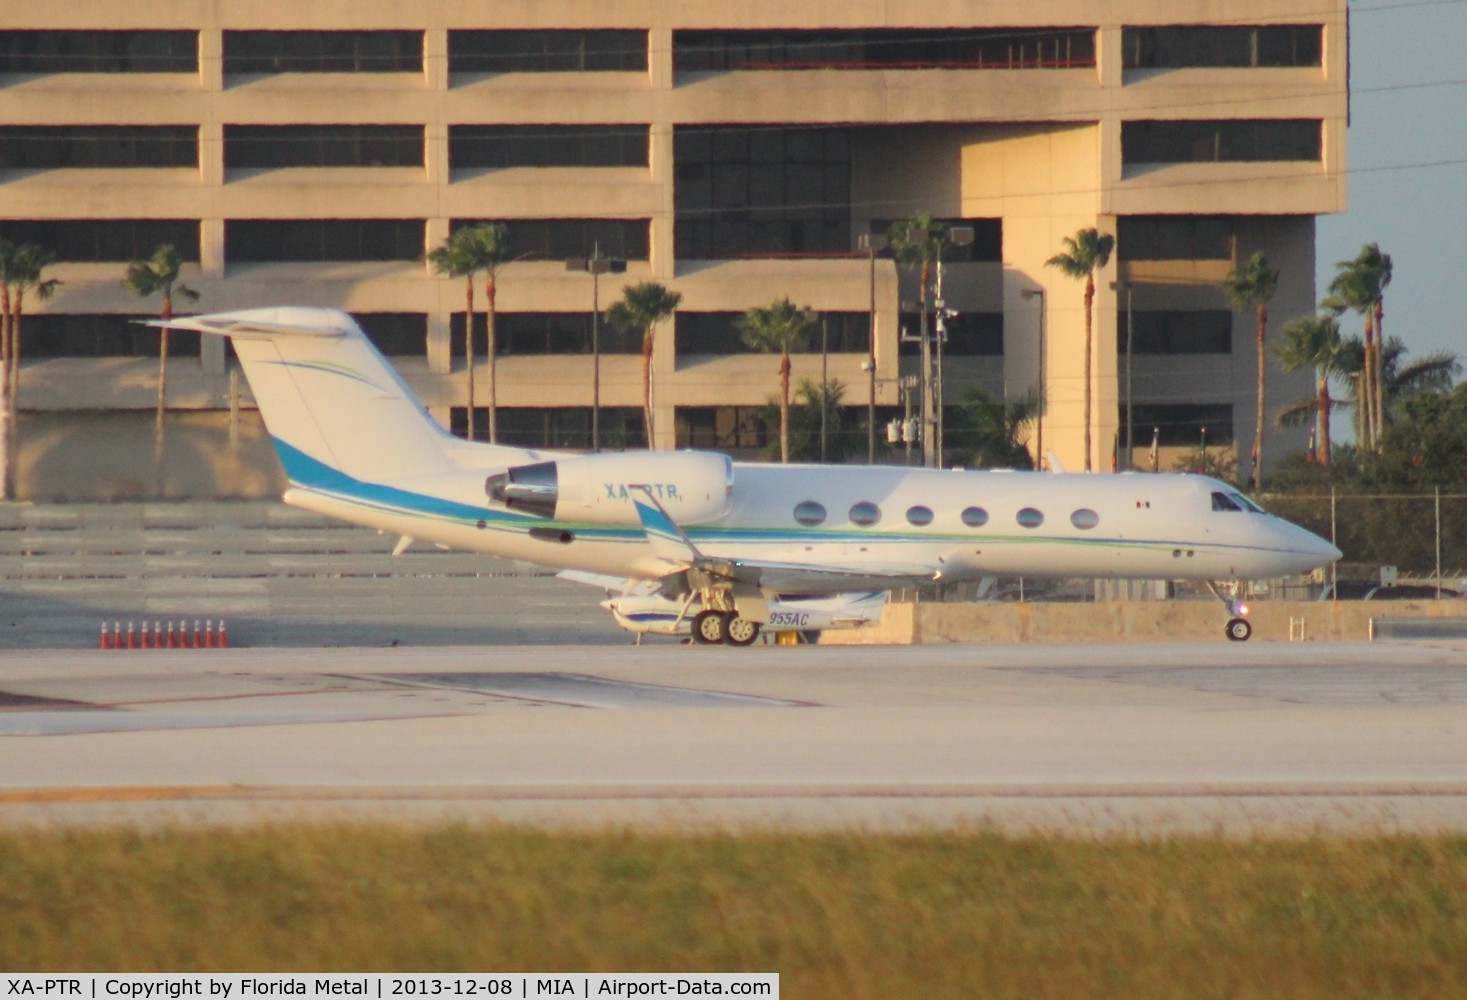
<point x="311" y="153"/>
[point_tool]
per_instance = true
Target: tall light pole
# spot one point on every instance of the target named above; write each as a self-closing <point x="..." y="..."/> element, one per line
<point x="958" y="236"/>
<point x="597" y="265"/>
<point x="1038" y="293"/>
<point x="1130" y="347"/>
<point x="872" y="243"/>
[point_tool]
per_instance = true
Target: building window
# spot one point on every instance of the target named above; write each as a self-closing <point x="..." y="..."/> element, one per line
<point x="1174" y="237"/>
<point x="283" y="240"/>
<point x="553" y="427"/>
<point x="809" y="513"/>
<point x="1085" y="519"/>
<point x="874" y="48"/>
<point x="972" y="335"/>
<point x="495" y="147"/>
<point x="975" y="517"/>
<point x="563" y="239"/>
<point x="720" y="428"/>
<point x="547" y="51"/>
<point x="761" y="192"/>
<point x="541" y="333"/>
<point x="52" y="147"/>
<point x="987" y="245"/>
<point x="261" y="52"/>
<point x="1030" y="518"/>
<point x="105" y="240"/>
<point x="1208" y="331"/>
<point x="99" y="335"/>
<point x="99" y="52"/>
<point x="323" y="146"/>
<point x="865" y="513"/>
<point x="718" y="333"/>
<point x="1181" y="424"/>
<point x="1184" y="46"/>
<point x="396" y="334"/>
<point x="1246" y="140"/>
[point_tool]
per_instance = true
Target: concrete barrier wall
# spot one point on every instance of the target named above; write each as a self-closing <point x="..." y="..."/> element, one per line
<point x="1134" y="621"/>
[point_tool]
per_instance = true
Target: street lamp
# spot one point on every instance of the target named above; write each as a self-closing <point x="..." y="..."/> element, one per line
<point x="1033" y="293"/>
<point x="1130" y="346"/>
<point x="958" y="236"/>
<point x="872" y="243"/>
<point x="596" y="265"/>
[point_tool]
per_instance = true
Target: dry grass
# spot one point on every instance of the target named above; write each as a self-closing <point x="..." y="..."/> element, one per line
<point x="839" y="915"/>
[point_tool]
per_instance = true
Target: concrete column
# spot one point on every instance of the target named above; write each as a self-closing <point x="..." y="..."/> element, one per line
<point x="435" y="59"/>
<point x="211" y="60"/>
<point x="211" y="248"/>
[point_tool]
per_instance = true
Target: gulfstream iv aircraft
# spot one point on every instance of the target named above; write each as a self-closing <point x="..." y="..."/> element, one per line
<point x="707" y="545"/>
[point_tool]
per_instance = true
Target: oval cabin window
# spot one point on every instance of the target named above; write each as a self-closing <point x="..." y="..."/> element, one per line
<point x="1030" y="518"/>
<point x="975" y="517"/>
<point x="1084" y="519"/>
<point x="809" y="513"/>
<point x="919" y="516"/>
<point x="865" y="514"/>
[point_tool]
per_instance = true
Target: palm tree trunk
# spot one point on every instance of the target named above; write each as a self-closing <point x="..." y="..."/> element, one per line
<point x="1258" y="426"/>
<point x="647" y="385"/>
<point x="1365" y="388"/>
<point x="17" y="310"/>
<point x="167" y="314"/>
<point x="7" y="412"/>
<point x="784" y="407"/>
<point x="1322" y="448"/>
<point x="1377" y="385"/>
<point x="490" y="292"/>
<point x="469" y="350"/>
<point x="1089" y="361"/>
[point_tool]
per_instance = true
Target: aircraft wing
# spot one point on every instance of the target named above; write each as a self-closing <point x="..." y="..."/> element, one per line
<point x="671" y="543"/>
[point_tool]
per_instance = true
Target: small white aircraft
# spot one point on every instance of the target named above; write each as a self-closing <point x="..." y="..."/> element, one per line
<point x="728" y="548"/>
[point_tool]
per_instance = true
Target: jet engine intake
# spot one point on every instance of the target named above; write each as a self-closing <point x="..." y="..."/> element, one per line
<point x="694" y="487"/>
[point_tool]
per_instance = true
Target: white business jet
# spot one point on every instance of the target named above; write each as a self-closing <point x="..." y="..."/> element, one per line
<point x="719" y="549"/>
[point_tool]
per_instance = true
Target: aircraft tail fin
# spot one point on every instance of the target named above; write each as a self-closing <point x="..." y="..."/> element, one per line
<point x="331" y="402"/>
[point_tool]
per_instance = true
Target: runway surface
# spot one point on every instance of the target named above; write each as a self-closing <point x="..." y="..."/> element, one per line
<point x="1084" y="738"/>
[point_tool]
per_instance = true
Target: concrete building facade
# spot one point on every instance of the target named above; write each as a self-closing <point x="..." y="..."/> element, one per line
<point x="311" y="154"/>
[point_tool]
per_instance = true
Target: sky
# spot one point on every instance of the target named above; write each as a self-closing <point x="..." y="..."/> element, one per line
<point x="1407" y="154"/>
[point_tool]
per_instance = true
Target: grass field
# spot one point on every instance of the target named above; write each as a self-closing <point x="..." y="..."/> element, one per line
<point x="837" y="915"/>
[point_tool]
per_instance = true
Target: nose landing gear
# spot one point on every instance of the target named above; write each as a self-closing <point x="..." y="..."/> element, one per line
<point x="1238" y="628"/>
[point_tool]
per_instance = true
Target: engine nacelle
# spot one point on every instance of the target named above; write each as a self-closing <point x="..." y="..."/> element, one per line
<point x="694" y="487"/>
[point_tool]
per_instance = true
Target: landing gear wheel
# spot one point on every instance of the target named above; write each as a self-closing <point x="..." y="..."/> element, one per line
<point x="1239" y="630"/>
<point x="709" y="627"/>
<point x="740" y="631"/>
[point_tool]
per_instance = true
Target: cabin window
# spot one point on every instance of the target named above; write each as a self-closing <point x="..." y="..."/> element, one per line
<point x="1221" y="501"/>
<point x="1084" y="519"/>
<point x="1030" y="518"/>
<point x="975" y="517"/>
<point x="919" y="516"/>
<point x="865" y="514"/>
<point x="809" y="513"/>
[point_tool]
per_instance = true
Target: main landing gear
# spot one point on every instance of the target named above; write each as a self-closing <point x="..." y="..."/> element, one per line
<point x="1237" y="629"/>
<point x="711" y="627"/>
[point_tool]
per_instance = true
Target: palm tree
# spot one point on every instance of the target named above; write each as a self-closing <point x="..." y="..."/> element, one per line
<point x="21" y="266"/>
<point x="781" y="327"/>
<point x="1252" y="286"/>
<point x="147" y="277"/>
<point x="987" y="432"/>
<point x="641" y="307"/>
<point x="807" y="402"/>
<point x="1433" y="373"/>
<point x="466" y="252"/>
<point x="1360" y="286"/>
<point x="1313" y="341"/>
<point x="1085" y="253"/>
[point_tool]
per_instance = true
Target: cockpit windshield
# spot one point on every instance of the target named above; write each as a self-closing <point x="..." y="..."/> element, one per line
<point x="1235" y="502"/>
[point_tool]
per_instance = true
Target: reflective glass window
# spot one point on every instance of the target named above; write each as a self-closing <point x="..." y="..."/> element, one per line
<point x="919" y="516"/>
<point x="1221" y="501"/>
<point x="809" y="513"/>
<point x="1030" y="518"/>
<point x="1084" y="519"/>
<point x="975" y="517"/>
<point x="865" y="514"/>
